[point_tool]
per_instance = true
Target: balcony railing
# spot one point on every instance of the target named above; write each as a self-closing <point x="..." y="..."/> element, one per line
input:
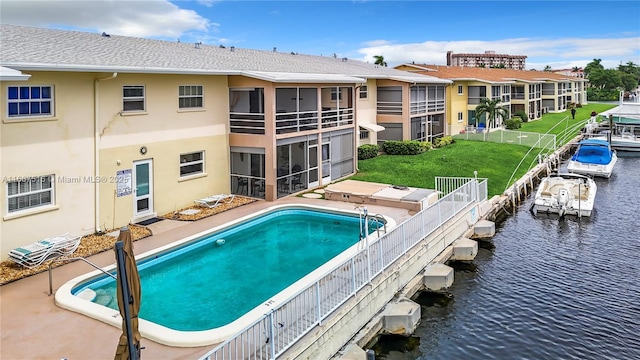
<point x="337" y="117"/>
<point x="246" y="123"/>
<point x="296" y="121"/>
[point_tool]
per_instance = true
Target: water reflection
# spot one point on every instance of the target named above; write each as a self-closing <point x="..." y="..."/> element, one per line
<point x="550" y="288"/>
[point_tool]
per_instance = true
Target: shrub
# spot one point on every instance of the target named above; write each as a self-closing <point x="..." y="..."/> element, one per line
<point x="522" y="115"/>
<point x="368" y="151"/>
<point x="513" y="123"/>
<point x="407" y="147"/>
<point x="443" y="141"/>
<point x="426" y="146"/>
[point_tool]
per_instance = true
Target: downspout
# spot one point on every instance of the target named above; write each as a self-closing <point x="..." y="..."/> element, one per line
<point x="96" y="147"/>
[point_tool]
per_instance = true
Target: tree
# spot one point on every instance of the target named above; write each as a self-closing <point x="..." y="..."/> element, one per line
<point x="380" y="60"/>
<point x="547" y="68"/>
<point x="594" y="65"/>
<point x="493" y="109"/>
<point x="499" y="66"/>
<point x="576" y="69"/>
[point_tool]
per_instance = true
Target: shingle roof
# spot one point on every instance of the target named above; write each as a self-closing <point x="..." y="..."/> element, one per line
<point x="489" y="74"/>
<point x="28" y="48"/>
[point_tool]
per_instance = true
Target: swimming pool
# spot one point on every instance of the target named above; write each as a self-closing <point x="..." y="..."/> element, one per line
<point x="198" y="290"/>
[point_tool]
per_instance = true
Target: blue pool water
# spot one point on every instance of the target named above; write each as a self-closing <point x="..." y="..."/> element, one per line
<point x="205" y="285"/>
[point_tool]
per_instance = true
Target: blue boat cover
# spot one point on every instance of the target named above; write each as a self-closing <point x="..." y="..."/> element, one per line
<point x="593" y="151"/>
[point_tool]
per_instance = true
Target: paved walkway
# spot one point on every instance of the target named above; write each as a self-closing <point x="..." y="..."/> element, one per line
<point x="33" y="327"/>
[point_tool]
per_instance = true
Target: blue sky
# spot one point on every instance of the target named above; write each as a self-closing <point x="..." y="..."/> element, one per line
<point x="562" y="34"/>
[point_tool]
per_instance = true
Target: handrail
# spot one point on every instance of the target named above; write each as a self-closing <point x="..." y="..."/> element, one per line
<point x="380" y="219"/>
<point x="74" y="258"/>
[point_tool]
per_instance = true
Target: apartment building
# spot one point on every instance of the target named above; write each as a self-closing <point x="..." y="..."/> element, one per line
<point x="489" y="59"/>
<point x="534" y="92"/>
<point x="101" y="130"/>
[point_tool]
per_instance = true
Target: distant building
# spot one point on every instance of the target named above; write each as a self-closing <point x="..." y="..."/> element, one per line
<point x="488" y="59"/>
<point x="579" y="72"/>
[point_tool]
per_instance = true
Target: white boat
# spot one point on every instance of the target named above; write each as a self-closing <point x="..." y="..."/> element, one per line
<point x="625" y="137"/>
<point x="593" y="157"/>
<point x="566" y="194"/>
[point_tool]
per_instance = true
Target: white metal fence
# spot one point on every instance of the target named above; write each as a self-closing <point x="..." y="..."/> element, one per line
<point x="446" y="185"/>
<point x="278" y="330"/>
<point x="545" y="141"/>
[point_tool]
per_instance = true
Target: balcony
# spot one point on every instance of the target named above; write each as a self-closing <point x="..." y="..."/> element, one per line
<point x="290" y="122"/>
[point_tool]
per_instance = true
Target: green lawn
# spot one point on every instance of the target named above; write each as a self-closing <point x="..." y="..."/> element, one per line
<point x="494" y="161"/>
<point x="550" y="120"/>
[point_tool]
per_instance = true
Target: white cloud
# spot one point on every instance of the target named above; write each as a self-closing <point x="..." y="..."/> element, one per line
<point x="207" y="3"/>
<point x="558" y="53"/>
<point x="157" y="18"/>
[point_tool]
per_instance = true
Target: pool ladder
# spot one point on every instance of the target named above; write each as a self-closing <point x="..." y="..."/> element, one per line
<point x="364" y="215"/>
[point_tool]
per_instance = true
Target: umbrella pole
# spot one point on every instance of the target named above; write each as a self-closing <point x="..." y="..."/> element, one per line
<point x="122" y="280"/>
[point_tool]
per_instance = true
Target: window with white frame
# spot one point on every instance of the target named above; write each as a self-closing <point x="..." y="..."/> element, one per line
<point x="460" y="90"/>
<point x="30" y="193"/>
<point x="29" y="101"/>
<point x="133" y="98"/>
<point x="335" y="94"/>
<point x="192" y="164"/>
<point x="364" y="92"/>
<point x="460" y="117"/>
<point x="190" y="96"/>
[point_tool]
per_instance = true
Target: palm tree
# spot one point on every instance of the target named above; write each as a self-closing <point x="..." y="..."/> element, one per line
<point x="547" y="68"/>
<point x="576" y="69"/>
<point x="380" y="60"/>
<point x="493" y="109"/>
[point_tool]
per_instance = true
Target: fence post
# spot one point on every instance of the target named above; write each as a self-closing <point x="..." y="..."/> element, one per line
<point x="353" y="274"/>
<point x="318" y="301"/>
<point x="272" y="343"/>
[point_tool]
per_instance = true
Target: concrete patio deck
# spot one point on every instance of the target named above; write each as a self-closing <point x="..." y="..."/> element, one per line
<point x="33" y="327"/>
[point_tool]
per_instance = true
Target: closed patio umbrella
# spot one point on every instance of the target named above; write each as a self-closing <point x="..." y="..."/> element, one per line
<point x="128" y="288"/>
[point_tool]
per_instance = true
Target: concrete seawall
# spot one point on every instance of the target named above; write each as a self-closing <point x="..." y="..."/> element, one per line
<point x="364" y="317"/>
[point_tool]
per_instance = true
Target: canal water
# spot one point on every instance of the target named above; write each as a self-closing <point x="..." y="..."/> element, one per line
<point x="544" y="288"/>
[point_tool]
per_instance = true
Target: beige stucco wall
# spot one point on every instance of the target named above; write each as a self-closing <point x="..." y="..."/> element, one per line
<point x="366" y="112"/>
<point x="61" y="145"/>
<point x="166" y="132"/>
<point x="170" y="192"/>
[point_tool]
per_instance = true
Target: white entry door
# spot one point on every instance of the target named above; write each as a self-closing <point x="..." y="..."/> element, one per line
<point x="143" y="188"/>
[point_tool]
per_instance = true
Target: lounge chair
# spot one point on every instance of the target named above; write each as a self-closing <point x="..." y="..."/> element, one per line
<point x="38" y="252"/>
<point x="215" y="200"/>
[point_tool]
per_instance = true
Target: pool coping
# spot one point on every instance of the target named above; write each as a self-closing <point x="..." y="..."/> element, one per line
<point x="175" y="338"/>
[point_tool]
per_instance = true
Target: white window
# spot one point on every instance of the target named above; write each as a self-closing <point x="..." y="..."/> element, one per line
<point x="460" y="90"/>
<point x="364" y="92"/>
<point x="133" y="98"/>
<point x="460" y="117"/>
<point x="29" y="101"/>
<point x="29" y="193"/>
<point x="192" y="164"/>
<point x="190" y="96"/>
<point x="335" y="94"/>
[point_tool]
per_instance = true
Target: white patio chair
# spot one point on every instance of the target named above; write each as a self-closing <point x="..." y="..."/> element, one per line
<point x="38" y="252"/>
<point x="215" y="200"/>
